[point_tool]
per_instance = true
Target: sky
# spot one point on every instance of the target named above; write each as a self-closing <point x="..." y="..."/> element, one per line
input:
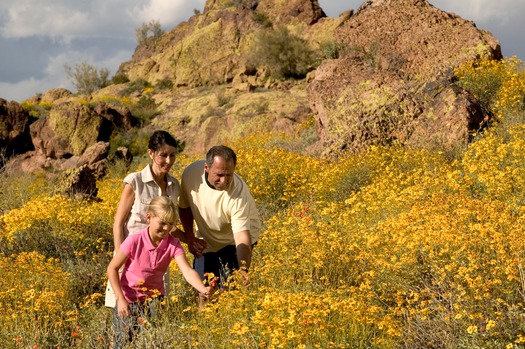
<point x="38" y="37"/>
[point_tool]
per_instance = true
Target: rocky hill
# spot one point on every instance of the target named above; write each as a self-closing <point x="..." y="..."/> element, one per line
<point x="382" y="74"/>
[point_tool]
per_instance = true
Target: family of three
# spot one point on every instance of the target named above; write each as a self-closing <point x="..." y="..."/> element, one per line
<point x="220" y="225"/>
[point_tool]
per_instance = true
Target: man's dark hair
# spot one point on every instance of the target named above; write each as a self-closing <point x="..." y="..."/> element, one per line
<point x="159" y="138"/>
<point x="222" y="151"/>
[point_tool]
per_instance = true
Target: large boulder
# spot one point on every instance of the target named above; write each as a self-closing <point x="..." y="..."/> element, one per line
<point x="55" y="95"/>
<point x="78" y="183"/>
<point x="392" y="83"/>
<point x="68" y="130"/>
<point x="71" y="127"/>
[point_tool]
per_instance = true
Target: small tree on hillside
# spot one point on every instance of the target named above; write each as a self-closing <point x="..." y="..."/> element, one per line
<point x="87" y="78"/>
<point x="149" y="32"/>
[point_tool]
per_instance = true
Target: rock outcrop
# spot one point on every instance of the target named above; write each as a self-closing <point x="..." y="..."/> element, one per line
<point x="393" y="84"/>
<point x="388" y="79"/>
<point x="208" y="48"/>
<point x="14" y="130"/>
<point x="72" y="134"/>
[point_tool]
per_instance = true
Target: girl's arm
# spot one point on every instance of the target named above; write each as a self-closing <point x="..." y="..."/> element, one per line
<point x="191" y="276"/>
<point x="123" y="209"/>
<point x="114" y="279"/>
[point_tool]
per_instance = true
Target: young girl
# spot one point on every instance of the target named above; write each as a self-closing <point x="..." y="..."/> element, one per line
<point x="146" y="256"/>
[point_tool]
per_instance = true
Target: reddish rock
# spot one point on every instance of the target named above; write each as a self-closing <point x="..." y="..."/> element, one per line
<point x="393" y="81"/>
<point x="14" y="130"/>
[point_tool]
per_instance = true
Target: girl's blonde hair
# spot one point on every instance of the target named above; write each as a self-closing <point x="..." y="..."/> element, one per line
<point x="164" y="208"/>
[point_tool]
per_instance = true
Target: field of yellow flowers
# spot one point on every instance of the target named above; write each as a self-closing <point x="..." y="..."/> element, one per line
<point x="391" y="248"/>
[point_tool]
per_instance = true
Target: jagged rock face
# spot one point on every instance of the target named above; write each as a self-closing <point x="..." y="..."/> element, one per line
<point x="14" y="130"/>
<point x="378" y="92"/>
<point x="206" y="50"/>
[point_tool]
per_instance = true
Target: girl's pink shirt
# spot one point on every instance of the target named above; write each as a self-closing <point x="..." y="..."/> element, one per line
<point x="144" y="270"/>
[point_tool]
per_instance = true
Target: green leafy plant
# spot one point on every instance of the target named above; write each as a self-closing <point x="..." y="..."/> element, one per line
<point x="263" y="19"/>
<point x="284" y="54"/>
<point x="139" y="85"/>
<point x="119" y="78"/>
<point x="330" y="49"/>
<point x="164" y="84"/>
<point x="86" y="77"/>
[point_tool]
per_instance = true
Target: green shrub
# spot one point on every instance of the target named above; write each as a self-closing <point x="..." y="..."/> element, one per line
<point x="284" y="54"/>
<point x="134" y="86"/>
<point x="136" y="140"/>
<point x="371" y="55"/>
<point x="37" y="110"/>
<point x="262" y="19"/>
<point x="223" y="99"/>
<point x="87" y="78"/>
<point x="330" y="49"/>
<point x="119" y="78"/>
<point x="164" y="84"/>
<point x="145" y="109"/>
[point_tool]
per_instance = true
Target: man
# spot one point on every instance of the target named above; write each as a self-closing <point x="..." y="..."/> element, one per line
<point x="220" y="203"/>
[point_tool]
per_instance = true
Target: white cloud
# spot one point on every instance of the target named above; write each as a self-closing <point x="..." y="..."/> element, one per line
<point x="66" y="20"/>
<point x="168" y="13"/>
<point x="25" y="89"/>
<point x="28" y="18"/>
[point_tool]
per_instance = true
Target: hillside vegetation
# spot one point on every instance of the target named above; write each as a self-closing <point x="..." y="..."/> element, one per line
<point x="390" y="248"/>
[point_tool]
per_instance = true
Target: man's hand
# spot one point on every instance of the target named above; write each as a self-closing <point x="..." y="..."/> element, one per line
<point x="244" y="276"/>
<point x="196" y="246"/>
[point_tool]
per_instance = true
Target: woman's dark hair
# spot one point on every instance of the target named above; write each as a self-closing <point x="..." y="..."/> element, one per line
<point x="221" y="151"/>
<point x="159" y="138"/>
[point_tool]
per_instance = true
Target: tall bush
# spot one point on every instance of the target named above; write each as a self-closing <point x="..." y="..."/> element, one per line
<point x="149" y="32"/>
<point x="87" y="78"/>
<point x="283" y="53"/>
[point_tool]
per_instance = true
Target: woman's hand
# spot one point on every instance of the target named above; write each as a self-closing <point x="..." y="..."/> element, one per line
<point x="123" y="308"/>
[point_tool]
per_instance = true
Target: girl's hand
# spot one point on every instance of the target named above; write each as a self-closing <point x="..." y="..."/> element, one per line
<point x="208" y="292"/>
<point x="211" y="289"/>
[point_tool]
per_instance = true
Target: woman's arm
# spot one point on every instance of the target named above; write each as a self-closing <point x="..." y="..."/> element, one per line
<point x="123" y="210"/>
<point x="114" y="279"/>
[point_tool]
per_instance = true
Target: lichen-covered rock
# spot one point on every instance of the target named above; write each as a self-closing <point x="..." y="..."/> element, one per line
<point x="393" y="81"/>
<point x="208" y="48"/>
<point x="55" y="94"/>
<point x="68" y="130"/>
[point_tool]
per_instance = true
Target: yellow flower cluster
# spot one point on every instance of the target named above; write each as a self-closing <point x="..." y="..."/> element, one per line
<point x="500" y="85"/>
<point x="33" y="292"/>
<point x="389" y="248"/>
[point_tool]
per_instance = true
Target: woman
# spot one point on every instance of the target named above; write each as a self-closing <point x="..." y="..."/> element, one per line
<point x="140" y="188"/>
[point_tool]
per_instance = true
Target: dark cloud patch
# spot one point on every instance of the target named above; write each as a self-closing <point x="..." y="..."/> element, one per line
<point x="509" y="35"/>
<point x="100" y="48"/>
<point x="25" y="58"/>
